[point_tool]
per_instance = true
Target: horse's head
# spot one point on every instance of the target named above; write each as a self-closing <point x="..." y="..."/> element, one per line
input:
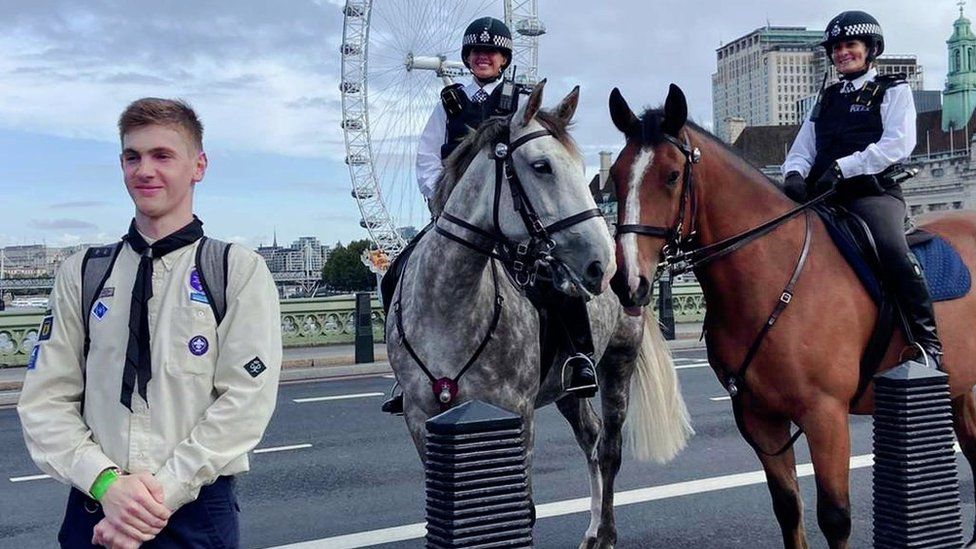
<point x="542" y="195"/>
<point x="649" y="174"/>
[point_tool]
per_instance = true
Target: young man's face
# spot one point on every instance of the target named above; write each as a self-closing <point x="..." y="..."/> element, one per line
<point x="160" y="165"/>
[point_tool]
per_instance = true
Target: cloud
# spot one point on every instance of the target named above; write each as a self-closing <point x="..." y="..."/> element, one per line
<point x="79" y="204"/>
<point x="61" y="224"/>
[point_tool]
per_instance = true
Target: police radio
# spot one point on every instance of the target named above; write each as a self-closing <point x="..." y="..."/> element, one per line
<point x="509" y="92"/>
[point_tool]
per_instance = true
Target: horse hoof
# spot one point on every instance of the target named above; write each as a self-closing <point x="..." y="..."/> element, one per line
<point x="594" y="543"/>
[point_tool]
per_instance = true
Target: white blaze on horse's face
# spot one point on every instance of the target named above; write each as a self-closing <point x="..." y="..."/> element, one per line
<point x="632" y="208"/>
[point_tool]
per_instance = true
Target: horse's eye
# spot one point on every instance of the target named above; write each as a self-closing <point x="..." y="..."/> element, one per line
<point x="542" y="166"/>
<point x="673" y="178"/>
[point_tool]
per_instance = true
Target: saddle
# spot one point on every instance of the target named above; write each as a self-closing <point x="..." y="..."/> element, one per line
<point x="944" y="271"/>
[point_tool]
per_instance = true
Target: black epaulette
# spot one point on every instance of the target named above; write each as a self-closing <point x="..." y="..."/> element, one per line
<point x="872" y="93"/>
<point x="454" y="99"/>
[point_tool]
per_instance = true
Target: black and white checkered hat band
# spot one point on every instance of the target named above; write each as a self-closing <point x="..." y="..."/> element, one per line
<point x="857" y="29"/>
<point x="484" y="39"/>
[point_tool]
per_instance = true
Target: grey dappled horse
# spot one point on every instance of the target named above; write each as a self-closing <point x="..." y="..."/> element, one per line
<point x="446" y="300"/>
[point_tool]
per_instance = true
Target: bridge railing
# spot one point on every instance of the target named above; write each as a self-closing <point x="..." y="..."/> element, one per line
<point x="304" y="322"/>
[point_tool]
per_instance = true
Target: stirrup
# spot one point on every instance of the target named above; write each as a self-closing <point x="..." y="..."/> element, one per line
<point x="582" y="391"/>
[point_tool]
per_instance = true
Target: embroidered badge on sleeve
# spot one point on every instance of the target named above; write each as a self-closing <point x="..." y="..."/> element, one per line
<point x="255" y="367"/>
<point x="44" y="332"/>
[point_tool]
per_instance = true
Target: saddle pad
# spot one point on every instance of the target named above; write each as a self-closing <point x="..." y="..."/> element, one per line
<point x="945" y="273"/>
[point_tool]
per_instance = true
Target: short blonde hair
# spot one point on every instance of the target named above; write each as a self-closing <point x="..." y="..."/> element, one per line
<point x="165" y="112"/>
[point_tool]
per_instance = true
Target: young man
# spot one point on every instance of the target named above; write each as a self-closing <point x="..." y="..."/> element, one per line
<point x="142" y="400"/>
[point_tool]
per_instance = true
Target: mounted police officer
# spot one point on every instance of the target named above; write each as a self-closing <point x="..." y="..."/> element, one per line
<point x="853" y="141"/>
<point x="486" y="51"/>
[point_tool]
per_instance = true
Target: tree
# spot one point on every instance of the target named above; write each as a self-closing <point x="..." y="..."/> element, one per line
<point x="344" y="270"/>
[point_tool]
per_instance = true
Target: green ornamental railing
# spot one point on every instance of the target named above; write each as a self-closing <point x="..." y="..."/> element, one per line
<point x="304" y="322"/>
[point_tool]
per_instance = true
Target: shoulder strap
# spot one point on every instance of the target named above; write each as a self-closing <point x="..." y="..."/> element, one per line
<point x="95" y="269"/>
<point x="212" y="262"/>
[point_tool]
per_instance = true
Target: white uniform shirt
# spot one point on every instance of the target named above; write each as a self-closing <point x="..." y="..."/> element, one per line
<point x="206" y="407"/>
<point x="896" y="144"/>
<point x="429" y="165"/>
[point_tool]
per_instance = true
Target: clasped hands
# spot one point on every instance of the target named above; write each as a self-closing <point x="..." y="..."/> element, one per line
<point x="134" y="512"/>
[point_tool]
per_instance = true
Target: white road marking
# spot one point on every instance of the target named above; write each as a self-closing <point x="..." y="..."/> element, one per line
<point x="578" y="505"/>
<point x="336" y="397"/>
<point x="27" y="478"/>
<point x="720" y="399"/>
<point x="693" y="365"/>
<point x="281" y="448"/>
<point x="389" y="376"/>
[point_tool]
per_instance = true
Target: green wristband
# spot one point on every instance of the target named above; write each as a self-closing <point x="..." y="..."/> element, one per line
<point x="103" y="481"/>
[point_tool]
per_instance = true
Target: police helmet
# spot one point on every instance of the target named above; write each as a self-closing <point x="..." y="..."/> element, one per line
<point x="854" y="25"/>
<point x="487" y="32"/>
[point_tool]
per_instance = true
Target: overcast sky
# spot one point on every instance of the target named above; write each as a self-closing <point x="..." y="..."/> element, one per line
<point x="264" y="78"/>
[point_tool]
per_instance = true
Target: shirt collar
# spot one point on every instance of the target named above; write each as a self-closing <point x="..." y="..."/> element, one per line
<point x="858" y="82"/>
<point x="472" y="87"/>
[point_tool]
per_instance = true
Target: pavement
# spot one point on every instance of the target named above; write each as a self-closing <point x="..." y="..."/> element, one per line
<point x="331" y="362"/>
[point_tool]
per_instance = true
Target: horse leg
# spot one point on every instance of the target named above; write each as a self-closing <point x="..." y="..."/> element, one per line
<point x="770" y="434"/>
<point x="829" y="438"/>
<point x="964" y="421"/>
<point x="586" y="426"/>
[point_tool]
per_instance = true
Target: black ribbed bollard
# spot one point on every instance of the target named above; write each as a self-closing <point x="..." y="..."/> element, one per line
<point x="916" y="489"/>
<point x="364" y="328"/>
<point x="665" y="307"/>
<point x="477" y="487"/>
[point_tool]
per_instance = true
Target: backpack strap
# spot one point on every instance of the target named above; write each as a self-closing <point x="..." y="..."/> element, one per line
<point x="95" y="270"/>
<point x="212" y="262"/>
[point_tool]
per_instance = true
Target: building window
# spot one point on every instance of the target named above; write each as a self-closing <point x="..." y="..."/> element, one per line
<point x="957" y="205"/>
<point x="938" y="172"/>
<point x="915" y="210"/>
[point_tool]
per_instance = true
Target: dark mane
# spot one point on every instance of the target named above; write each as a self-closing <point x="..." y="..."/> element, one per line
<point x="652" y="134"/>
<point x="491" y="131"/>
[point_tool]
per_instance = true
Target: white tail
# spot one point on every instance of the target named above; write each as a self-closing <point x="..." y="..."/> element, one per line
<point x="658" y="424"/>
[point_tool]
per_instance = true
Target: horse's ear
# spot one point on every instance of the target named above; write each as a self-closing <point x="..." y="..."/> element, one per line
<point x="623" y="118"/>
<point x="567" y="107"/>
<point x="675" y="111"/>
<point x="524" y="116"/>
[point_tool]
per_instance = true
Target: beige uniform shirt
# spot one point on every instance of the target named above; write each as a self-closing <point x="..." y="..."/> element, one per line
<point x="212" y="390"/>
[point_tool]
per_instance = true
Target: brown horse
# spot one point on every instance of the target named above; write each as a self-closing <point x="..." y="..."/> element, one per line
<point x="673" y="177"/>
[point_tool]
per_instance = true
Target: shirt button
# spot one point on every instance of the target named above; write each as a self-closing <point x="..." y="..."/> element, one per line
<point x="200" y="314"/>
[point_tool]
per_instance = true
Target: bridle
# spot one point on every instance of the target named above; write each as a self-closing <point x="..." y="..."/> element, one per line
<point x="680" y="252"/>
<point x="525" y="259"/>
<point x="676" y="243"/>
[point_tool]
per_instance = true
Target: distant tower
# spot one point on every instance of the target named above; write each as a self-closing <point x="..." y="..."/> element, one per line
<point x="274" y="244"/>
<point x="959" y="96"/>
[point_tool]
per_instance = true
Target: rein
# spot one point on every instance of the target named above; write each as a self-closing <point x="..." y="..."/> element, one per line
<point x="524" y="259"/>
<point x="680" y="254"/>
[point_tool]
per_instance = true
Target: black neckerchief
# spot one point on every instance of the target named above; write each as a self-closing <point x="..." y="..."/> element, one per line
<point x="138" y="361"/>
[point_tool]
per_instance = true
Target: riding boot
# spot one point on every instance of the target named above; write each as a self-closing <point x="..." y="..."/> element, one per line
<point x="394" y="405"/>
<point x="576" y="323"/>
<point x="917" y="305"/>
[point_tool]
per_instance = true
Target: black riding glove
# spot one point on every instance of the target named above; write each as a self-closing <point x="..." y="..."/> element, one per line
<point x="829" y="180"/>
<point x="795" y="187"/>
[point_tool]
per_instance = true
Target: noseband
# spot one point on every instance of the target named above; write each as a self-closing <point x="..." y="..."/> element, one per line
<point x="524" y="258"/>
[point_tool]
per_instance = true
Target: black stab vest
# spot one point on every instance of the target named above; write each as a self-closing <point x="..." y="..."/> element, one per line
<point x="844" y="126"/>
<point x="468" y="120"/>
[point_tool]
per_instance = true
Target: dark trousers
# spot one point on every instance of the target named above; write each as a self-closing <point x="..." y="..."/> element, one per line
<point x="210" y="521"/>
<point x="885" y="215"/>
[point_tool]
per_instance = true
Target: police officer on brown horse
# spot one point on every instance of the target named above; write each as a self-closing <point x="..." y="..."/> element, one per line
<point x="853" y="140"/>
<point x="486" y="51"/>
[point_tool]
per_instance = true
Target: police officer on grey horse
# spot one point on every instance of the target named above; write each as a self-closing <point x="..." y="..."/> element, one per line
<point x="487" y="51"/>
<point x="853" y="141"/>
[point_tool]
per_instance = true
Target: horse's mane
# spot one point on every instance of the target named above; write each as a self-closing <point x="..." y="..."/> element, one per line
<point x="490" y="132"/>
<point x="652" y="134"/>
